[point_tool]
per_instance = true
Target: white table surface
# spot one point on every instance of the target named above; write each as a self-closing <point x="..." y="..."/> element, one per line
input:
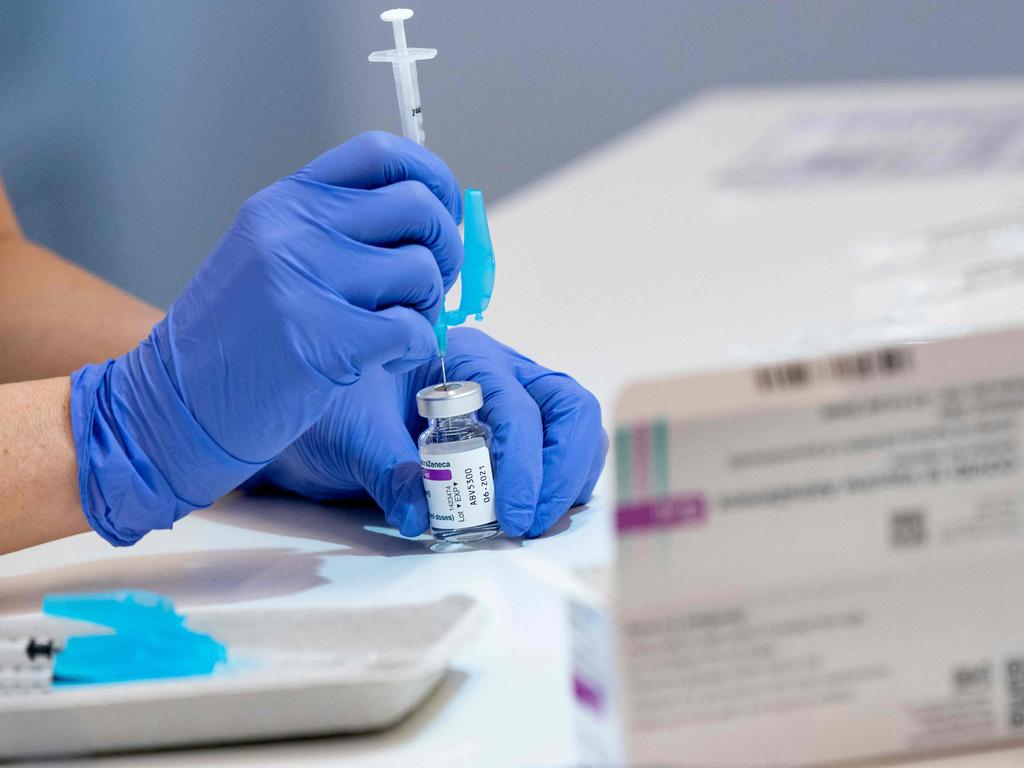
<point x="632" y="261"/>
<point x="507" y="700"/>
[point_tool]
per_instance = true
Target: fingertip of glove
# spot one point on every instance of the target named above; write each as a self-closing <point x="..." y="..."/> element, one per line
<point x="516" y="522"/>
<point x="536" y="530"/>
<point x="412" y="531"/>
<point x="409" y="511"/>
<point x="419" y="342"/>
<point x="407" y="519"/>
<point x="543" y="520"/>
<point x="547" y="515"/>
<point x="404" y="365"/>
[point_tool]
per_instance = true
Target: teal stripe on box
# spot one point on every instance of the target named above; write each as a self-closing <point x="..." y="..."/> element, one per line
<point x="624" y="463"/>
<point x="659" y="458"/>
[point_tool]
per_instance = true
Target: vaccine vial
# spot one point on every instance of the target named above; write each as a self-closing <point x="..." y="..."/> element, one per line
<point x="455" y="458"/>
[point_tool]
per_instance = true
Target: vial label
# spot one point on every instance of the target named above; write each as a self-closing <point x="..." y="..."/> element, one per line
<point x="460" y="488"/>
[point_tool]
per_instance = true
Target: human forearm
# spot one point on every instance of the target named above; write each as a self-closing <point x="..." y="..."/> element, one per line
<point x="54" y="316"/>
<point x="40" y="498"/>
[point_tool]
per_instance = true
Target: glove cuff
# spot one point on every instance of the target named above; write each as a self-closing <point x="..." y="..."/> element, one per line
<point x="143" y="460"/>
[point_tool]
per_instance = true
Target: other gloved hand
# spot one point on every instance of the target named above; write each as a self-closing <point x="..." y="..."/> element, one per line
<point x="335" y="270"/>
<point x="549" y="446"/>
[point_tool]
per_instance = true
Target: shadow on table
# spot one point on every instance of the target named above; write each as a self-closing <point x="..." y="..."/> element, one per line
<point x="205" y="577"/>
<point x="359" y="527"/>
<point x="218" y="576"/>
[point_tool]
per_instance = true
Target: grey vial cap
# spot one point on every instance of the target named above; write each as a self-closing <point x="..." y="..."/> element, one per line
<point x="456" y="399"/>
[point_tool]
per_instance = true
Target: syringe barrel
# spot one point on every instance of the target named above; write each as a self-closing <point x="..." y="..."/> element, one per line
<point x="409" y="105"/>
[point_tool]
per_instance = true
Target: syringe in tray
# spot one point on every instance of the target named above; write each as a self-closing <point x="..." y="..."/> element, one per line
<point x="150" y="641"/>
<point x="26" y="663"/>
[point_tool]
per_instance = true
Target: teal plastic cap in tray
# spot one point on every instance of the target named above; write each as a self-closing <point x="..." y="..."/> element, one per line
<point x="150" y="639"/>
<point x="122" y="611"/>
<point x="477" y="270"/>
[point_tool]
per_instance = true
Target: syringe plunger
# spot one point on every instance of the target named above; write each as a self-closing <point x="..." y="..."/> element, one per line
<point x="403" y="63"/>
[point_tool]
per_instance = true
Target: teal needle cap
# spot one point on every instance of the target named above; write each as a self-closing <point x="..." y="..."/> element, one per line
<point x="150" y="639"/>
<point x="477" y="270"/>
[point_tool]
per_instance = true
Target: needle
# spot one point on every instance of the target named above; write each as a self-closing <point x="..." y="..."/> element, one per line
<point x="444" y="373"/>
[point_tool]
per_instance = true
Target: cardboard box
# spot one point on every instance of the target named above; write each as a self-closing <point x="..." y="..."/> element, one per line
<point x="819" y="561"/>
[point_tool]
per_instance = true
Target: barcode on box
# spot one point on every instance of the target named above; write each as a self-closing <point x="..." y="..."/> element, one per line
<point x="862" y="366"/>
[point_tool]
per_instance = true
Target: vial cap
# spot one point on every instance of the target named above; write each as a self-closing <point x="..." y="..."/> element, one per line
<point x="457" y="398"/>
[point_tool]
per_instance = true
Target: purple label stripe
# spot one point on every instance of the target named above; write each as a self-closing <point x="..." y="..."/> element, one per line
<point x="673" y="512"/>
<point x="436" y="474"/>
<point x="587" y="695"/>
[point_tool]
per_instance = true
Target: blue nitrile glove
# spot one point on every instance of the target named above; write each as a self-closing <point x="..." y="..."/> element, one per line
<point x="549" y="446"/>
<point x="335" y="270"/>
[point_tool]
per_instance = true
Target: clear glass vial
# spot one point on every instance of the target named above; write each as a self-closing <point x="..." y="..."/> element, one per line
<point x="455" y="457"/>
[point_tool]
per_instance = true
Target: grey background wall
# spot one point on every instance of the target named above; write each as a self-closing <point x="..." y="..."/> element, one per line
<point x="131" y="130"/>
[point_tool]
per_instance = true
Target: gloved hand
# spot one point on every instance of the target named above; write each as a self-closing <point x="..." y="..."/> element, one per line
<point x="549" y="446"/>
<point x="338" y="269"/>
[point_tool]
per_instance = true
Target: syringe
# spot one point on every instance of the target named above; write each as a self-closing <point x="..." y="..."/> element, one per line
<point x="477" y="274"/>
<point x="403" y="62"/>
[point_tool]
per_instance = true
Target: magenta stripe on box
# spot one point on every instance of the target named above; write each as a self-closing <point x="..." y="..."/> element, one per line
<point x="437" y="474"/>
<point x="671" y="512"/>
<point x="587" y="695"/>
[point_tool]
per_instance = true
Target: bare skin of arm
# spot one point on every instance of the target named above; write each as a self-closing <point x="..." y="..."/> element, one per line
<point x="54" y="318"/>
